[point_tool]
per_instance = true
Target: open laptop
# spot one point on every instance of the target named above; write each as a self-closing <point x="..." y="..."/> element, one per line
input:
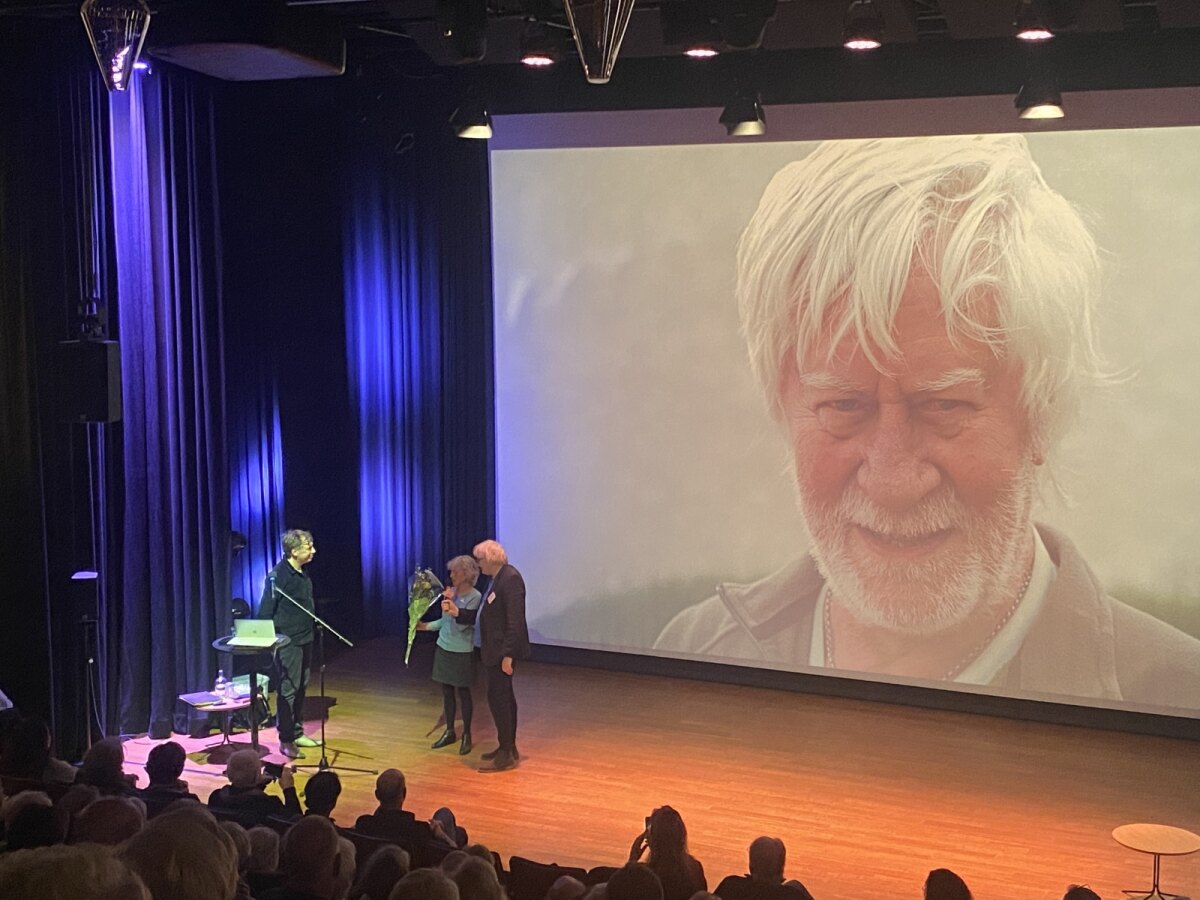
<point x="253" y="633"/>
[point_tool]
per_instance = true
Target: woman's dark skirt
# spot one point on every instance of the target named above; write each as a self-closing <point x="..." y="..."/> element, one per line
<point x="454" y="669"/>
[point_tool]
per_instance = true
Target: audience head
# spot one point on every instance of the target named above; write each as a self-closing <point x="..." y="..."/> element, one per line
<point x="703" y="895"/>
<point x="311" y="857"/>
<point x="597" y="892"/>
<point x="184" y="854"/>
<point x="86" y="872"/>
<point x="244" y="769"/>
<point x="452" y="860"/>
<point x="110" y="821"/>
<point x="264" y="850"/>
<point x="322" y="792"/>
<point x="634" y="881"/>
<point x="347" y="863"/>
<point x="383" y="870"/>
<point x="27" y="749"/>
<point x="164" y="765"/>
<point x="103" y="765"/>
<point x="424" y="884"/>
<point x="477" y="880"/>
<point x="768" y="856"/>
<point x="942" y="884"/>
<point x="566" y="888"/>
<point x="241" y="842"/>
<point x="481" y="851"/>
<point x="17" y="802"/>
<point x="390" y="789"/>
<point x="35" y="826"/>
<point x="668" y="835"/>
<point x="1080" y="892"/>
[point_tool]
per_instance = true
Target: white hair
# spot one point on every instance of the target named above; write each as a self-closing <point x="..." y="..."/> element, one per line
<point x="832" y="244"/>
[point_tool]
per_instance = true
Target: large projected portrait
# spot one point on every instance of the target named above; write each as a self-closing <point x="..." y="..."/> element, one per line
<point x="930" y="426"/>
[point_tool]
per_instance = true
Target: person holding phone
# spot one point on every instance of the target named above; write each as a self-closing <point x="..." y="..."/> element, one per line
<point x="454" y="658"/>
<point x="666" y="838"/>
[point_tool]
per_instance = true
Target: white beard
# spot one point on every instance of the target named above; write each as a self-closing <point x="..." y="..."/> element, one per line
<point x="926" y="597"/>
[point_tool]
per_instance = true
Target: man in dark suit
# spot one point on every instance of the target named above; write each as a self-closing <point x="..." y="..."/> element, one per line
<point x="392" y="822"/>
<point x="503" y="638"/>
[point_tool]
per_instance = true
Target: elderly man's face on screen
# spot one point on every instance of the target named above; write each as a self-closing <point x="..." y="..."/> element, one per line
<point x="915" y="468"/>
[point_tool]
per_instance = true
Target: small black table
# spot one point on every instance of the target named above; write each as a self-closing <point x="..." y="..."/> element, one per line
<point x="221" y="645"/>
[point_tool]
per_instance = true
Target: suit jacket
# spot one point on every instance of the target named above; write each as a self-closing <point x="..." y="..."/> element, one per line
<point x="501" y="616"/>
<point x="1085" y="644"/>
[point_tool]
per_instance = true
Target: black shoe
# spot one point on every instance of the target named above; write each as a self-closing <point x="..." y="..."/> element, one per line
<point x="494" y="753"/>
<point x="500" y="762"/>
<point x="290" y="750"/>
<point x="465" y="747"/>
<point x="448" y="737"/>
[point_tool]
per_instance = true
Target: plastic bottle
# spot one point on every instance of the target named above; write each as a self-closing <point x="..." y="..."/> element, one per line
<point x="221" y="686"/>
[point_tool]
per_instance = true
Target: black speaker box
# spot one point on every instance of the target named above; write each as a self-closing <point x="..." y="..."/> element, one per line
<point x="87" y="376"/>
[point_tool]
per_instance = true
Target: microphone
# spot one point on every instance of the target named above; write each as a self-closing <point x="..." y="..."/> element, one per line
<point x="271" y="578"/>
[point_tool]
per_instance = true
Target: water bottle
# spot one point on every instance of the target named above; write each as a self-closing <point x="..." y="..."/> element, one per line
<point x="221" y="686"/>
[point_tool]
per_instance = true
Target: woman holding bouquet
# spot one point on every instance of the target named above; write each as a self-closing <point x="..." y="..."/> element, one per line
<point x="454" y="658"/>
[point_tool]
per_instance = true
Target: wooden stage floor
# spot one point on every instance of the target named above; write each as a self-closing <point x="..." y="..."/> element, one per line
<point x="868" y="797"/>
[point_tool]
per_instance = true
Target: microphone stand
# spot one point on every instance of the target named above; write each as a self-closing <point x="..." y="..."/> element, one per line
<point x="322" y="627"/>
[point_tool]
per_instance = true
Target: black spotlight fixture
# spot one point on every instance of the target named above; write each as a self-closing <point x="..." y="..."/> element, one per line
<point x="744" y="116"/>
<point x="1039" y="98"/>
<point x="863" y="28"/>
<point x="539" y="49"/>
<point x="471" y="120"/>
<point x="463" y="24"/>
<point x="1028" y="25"/>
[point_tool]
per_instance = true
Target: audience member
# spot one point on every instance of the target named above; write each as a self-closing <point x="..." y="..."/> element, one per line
<point x="392" y="822"/>
<point x="109" y="821"/>
<point x="28" y="754"/>
<point x="86" y="872"/>
<point x="321" y="794"/>
<point x="1080" y="892"/>
<point x="680" y="873"/>
<point x="452" y="860"/>
<point x="17" y="802"/>
<point x="768" y="856"/>
<point x="477" y="880"/>
<point x="347" y="864"/>
<point x="942" y="884"/>
<point x="425" y="884"/>
<point x="184" y="854"/>
<point x="262" y="868"/>
<point x="241" y="843"/>
<point x="103" y="768"/>
<point x="634" y="881"/>
<point x="246" y="792"/>
<point x="164" y="765"/>
<point x="481" y="851"/>
<point x="704" y="895"/>
<point x="598" y="892"/>
<point x="34" y="826"/>
<point x="312" y="864"/>
<point x="566" y="887"/>
<point x="380" y="874"/>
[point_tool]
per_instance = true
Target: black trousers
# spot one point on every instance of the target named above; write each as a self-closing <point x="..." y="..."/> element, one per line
<point x="293" y="663"/>
<point x="503" y="704"/>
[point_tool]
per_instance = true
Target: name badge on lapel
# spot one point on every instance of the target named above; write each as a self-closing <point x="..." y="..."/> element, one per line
<point x="491" y="596"/>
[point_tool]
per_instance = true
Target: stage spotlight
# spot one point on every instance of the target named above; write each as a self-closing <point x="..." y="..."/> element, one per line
<point x="471" y="120"/>
<point x="116" y="30"/>
<point x="464" y="28"/>
<point x="1028" y="25"/>
<point x="863" y="29"/>
<point x="1039" y="99"/>
<point x="744" y="116"/>
<point x="539" y="49"/>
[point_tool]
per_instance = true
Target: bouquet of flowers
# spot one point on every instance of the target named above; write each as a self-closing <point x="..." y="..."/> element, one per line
<point x="425" y="591"/>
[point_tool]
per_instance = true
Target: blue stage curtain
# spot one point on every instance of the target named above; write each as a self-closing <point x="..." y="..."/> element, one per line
<point x="175" y="547"/>
<point x="418" y="328"/>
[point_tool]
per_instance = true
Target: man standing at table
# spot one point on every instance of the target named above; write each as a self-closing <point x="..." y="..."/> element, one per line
<point x="293" y="661"/>
<point x="503" y="638"/>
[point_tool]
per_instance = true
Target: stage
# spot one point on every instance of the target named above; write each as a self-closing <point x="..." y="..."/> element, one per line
<point x="867" y="797"/>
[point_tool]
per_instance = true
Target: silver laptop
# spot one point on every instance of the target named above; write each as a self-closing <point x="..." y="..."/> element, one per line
<point x="253" y="633"/>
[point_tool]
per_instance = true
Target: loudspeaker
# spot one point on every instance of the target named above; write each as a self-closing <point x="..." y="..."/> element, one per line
<point x="87" y="377"/>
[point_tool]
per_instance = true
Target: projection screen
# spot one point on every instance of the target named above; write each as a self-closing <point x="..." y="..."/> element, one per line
<point x="970" y="539"/>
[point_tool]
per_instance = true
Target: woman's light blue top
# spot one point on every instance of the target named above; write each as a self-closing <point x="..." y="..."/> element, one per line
<point x="454" y="637"/>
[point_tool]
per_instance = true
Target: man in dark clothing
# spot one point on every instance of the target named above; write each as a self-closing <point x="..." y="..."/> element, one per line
<point x="392" y="822"/>
<point x="245" y="792"/>
<point x="164" y="765"/>
<point x="288" y="579"/>
<point x="765" y="881"/>
<point x="311" y="863"/>
<point x="503" y="638"/>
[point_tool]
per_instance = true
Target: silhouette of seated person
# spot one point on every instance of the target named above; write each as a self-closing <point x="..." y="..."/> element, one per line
<point x="246" y="792"/>
<point x="164" y="765"/>
<point x="768" y="856"/>
<point x="392" y="822"/>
